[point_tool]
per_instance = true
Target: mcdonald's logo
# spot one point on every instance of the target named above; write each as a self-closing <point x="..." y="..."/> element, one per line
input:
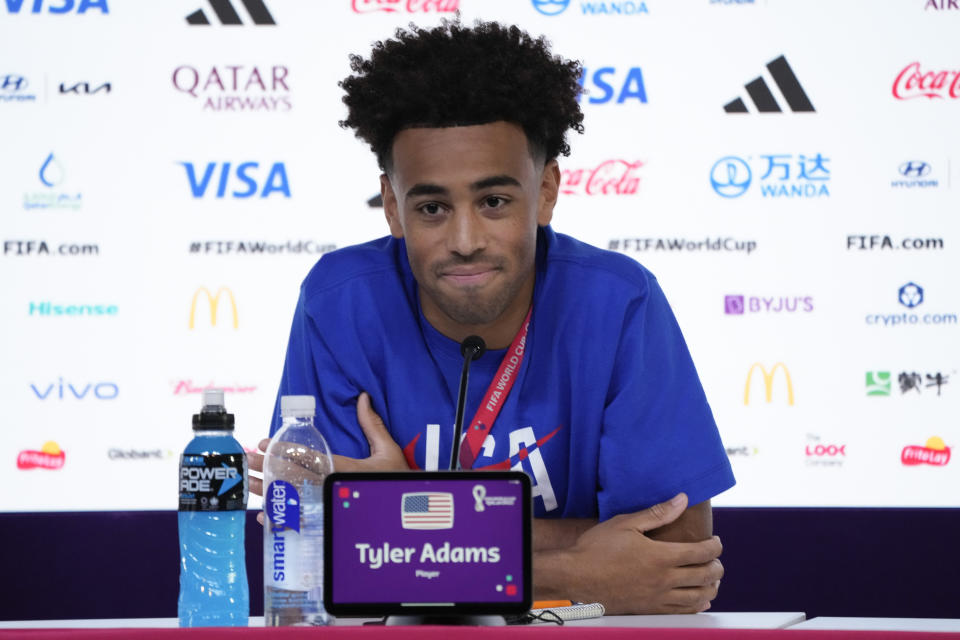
<point x="214" y="300"/>
<point x="768" y="377"/>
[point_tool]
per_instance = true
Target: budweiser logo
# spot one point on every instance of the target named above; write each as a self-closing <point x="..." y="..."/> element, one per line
<point x="914" y="455"/>
<point x="913" y="82"/>
<point x="410" y="6"/>
<point x="49" y="457"/>
<point x="187" y="386"/>
<point x="612" y="177"/>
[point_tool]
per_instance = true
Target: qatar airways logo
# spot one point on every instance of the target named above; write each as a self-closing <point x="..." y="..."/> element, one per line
<point x="610" y="177"/>
<point x="405" y="6"/>
<point x="915" y="82"/>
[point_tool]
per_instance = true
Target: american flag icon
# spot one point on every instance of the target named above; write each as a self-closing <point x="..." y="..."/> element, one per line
<point x="426" y="510"/>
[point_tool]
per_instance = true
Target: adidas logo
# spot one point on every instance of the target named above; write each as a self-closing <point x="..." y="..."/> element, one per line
<point x="226" y="14"/>
<point x="763" y="98"/>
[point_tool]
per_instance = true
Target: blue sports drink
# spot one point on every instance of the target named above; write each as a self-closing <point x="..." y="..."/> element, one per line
<point x="213" y="508"/>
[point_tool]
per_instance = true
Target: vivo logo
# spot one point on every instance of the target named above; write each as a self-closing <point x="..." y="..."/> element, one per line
<point x="61" y="390"/>
<point x="246" y="173"/>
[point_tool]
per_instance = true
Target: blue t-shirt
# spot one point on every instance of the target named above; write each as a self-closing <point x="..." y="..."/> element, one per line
<point x="607" y="414"/>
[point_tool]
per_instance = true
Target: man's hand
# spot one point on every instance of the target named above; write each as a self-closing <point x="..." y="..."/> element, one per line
<point x="616" y="564"/>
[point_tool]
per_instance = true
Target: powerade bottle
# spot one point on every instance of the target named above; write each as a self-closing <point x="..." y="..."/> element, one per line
<point x="213" y="508"/>
<point x="294" y="467"/>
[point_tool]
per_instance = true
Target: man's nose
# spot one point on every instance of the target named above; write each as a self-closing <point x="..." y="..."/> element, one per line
<point x="465" y="233"/>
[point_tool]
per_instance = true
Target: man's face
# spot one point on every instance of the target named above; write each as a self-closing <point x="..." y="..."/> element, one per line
<point x="468" y="201"/>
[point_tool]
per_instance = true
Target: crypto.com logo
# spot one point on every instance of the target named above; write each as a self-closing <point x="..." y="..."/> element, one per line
<point x="214" y="302"/>
<point x="910" y="295"/>
<point x="768" y="377"/>
<point x="730" y="177"/>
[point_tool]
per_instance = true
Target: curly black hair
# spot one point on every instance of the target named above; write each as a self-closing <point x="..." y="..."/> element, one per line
<point x="453" y="75"/>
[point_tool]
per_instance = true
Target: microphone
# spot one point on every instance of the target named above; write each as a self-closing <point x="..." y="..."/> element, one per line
<point x="471" y="349"/>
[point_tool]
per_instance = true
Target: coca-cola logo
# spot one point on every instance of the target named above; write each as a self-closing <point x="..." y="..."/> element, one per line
<point x="914" y="82"/>
<point x="611" y="177"/>
<point x="50" y="456"/>
<point x="409" y="6"/>
<point x="826" y="450"/>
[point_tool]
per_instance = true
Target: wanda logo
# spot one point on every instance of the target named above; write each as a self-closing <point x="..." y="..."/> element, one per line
<point x="914" y="82"/>
<point x="611" y="177"/>
<point x="409" y="6"/>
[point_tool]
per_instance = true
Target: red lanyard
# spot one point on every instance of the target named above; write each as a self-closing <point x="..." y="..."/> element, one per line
<point x="495" y="397"/>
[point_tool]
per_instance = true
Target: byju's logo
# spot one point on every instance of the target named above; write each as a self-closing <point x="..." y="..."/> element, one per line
<point x="910" y="295"/>
<point x="611" y="177"/>
<point x="915" y="174"/>
<point x="52" y="175"/>
<point x="61" y="390"/>
<point x="64" y="6"/>
<point x="227" y="15"/>
<point x="50" y="456"/>
<point x="236" y="87"/>
<point x="768" y="377"/>
<point x="247" y="176"/>
<point x="934" y="453"/>
<point x="14" y="88"/>
<point x="764" y="100"/>
<point x="607" y="80"/>
<point x="738" y="305"/>
<point x="913" y="82"/>
<point x="408" y="6"/>
<point x="781" y="175"/>
<point x="84" y="88"/>
<point x="551" y="7"/>
<point x="214" y="305"/>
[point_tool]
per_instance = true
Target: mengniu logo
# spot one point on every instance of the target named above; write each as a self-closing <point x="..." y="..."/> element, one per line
<point x="762" y="97"/>
<point x="213" y="301"/>
<point x="934" y="453"/>
<point x="52" y="175"/>
<point x="781" y="175"/>
<point x="738" y="305"/>
<point x="50" y="456"/>
<point x="610" y="177"/>
<point x="236" y="87"/>
<point x="611" y="83"/>
<point x="58" y="6"/>
<point x="768" y="379"/>
<point x="246" y="177"/>
<point x="404" y="6"/>
<point x="227" y="15"/>
<point x="65" y="390"/>
<point x="587" y="7"/>
<point x="15" y="88"/>
<point x="880" y="383"/>
<point x="913" y="82"/>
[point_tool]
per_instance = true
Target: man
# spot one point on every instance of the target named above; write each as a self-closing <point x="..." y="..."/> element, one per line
<point x="605" y="412"/>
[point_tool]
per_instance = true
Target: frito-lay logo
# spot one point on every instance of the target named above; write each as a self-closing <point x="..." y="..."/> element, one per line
<point x="935" y="453"/>
<point x="768" y="377"/>
<point x="214" y="302"/>
<point x="49" y="457"/>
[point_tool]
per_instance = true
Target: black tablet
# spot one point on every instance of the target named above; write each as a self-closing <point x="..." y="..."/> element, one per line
<point x="427" y="543"/>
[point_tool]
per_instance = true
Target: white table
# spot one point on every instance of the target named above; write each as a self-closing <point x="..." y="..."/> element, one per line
<point x="881" y="624"/>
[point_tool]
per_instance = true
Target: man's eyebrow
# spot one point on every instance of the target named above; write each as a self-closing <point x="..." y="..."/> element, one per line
<point x="495" y="181"/>
<point x="425" y="189"/>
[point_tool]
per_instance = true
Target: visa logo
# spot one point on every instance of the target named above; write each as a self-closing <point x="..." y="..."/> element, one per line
<point x="101" y="390"/>
<point x="244" y="176"/>
<point x="607" y="80"/>
<point x="65" y="6"/>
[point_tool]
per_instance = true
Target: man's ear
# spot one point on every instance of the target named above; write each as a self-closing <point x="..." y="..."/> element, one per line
<point x="390" y="207"/>
<point x="549" y="189"/>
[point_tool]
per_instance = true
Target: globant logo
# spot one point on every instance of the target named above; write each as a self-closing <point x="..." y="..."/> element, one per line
<point x="742" y="451"/>
<point x="236" y="88"/>
<point x="50" y="456"/>
<point x="610" y="82"/>
<point x="52" y="175"/>
<point x="934" y="453"/>
<point x="245" y="179"/>
<point x="610" y="177"/>
<point x="13" y="88"/>
<point x="911" y="295"/>
<point x="913" y="171"/>
<point x="738" y="305"/>
<point x="139" y="454"/>
<point x="783" y="176"/>
<point x="405" y="6"/>
<point x="914" y="82"/>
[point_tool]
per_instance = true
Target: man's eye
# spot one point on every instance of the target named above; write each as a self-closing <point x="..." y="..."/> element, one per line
<point x="431" y="208"/>
<point x="494" y="201"/>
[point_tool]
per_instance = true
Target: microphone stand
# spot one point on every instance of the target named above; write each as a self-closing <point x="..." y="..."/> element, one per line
<point x="471" y="349"/>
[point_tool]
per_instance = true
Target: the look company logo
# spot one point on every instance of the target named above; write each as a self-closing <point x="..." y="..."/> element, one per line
<point x="236" y="87"/>
<point x="613" y="83"/>
<point x="784" y="176"/>
<point x="52" y="175"/>
<point x="227" y="15"/>
<point x="820" y="454"/>
<point x="58" y="6"/>
<point x="915" y="174"/>
<point x="934" y="453"/>
<point x="914" y="82"/>
<point x="880" y="383"/>
<point x="405" y="6"/>
<point x="588" y="7"/>
<point x="738" y="305"/>
<point x="610" y="177"/>
<point x="50" y="456"/>
<point x="63" y="390"/>
<point x="246" y="176"/>
<point x="768" y="379"/>
<point x="763" y="98"/>
<point x="16" y="88"/>
<point x="911" y="295"/>
<point x="213" y="301"/>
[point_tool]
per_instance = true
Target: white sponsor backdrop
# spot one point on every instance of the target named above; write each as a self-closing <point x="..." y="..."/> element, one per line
<point x="97" y="210"/>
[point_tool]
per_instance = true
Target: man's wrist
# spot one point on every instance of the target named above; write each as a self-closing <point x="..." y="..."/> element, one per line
<point x="553" y="574"/>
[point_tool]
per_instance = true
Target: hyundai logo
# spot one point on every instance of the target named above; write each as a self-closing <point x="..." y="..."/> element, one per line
<point x="914" y="168"/>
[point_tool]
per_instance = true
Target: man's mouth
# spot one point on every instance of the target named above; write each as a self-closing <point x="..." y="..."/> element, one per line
<point x="469" y="275"/>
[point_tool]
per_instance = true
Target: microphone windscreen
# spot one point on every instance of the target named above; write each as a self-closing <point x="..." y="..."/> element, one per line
<point x="474" y="345"/>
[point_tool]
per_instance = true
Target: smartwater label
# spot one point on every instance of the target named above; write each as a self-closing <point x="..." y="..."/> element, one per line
<point x="282" y="553"/>
<point x="213" y="483"/>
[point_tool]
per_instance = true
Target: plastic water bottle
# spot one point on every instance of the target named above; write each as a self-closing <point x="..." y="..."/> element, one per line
<point x="294" y="467"/>
<point x="213" y="508"/>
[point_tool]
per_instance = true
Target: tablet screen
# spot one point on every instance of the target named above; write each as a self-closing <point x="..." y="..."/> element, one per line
<point x="427" y="542"/>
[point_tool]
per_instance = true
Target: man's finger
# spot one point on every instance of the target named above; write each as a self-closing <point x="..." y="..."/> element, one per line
<point x="691" y="599"/>
<point x="372" y="425"/>
<point x="255" y="459"/>
<point x="658" y="515"/>
<point x="679" y="554"/>
<point x="701" y="575"/>
<point x="343" y="463"/>
<point x="256" y="485"/>
<point x="260" y="517"/>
